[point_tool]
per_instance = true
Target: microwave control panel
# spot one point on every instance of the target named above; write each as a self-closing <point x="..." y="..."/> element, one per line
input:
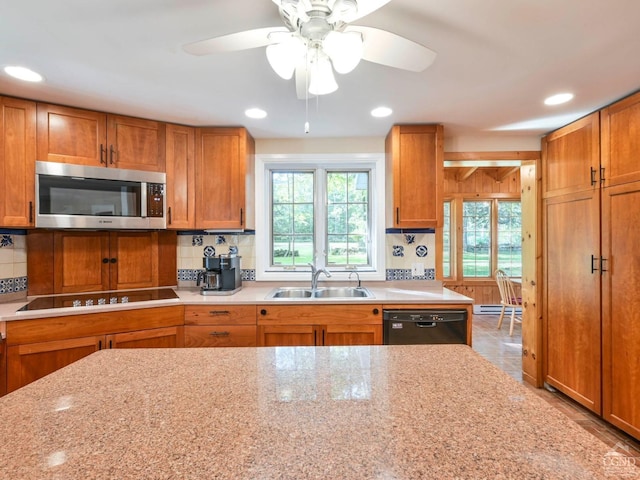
<point x="155" y="200"/>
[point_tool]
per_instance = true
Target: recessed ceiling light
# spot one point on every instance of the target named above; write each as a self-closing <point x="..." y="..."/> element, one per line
<point x="23" y="73"/>
<point x="380" y="112"/>
<point x="558" y="99"/>
<point x="255" y="113"/>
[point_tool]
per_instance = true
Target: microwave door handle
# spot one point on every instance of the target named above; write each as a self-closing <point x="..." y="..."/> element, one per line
<point x="143" y="199"/>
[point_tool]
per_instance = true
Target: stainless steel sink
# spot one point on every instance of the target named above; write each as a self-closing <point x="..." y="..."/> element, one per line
<point x="324" y="292"/>
<point x="342" y="292"/>
<point x="293" y="292"/>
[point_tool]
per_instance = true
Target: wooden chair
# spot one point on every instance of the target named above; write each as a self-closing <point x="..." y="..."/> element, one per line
<point x="508" y="298"/>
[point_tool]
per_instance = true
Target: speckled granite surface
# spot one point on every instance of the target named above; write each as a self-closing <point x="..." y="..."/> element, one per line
<point x="385" y="412"/>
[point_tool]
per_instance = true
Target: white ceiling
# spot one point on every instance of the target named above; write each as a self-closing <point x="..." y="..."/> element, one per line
<point x="497" y="60"/>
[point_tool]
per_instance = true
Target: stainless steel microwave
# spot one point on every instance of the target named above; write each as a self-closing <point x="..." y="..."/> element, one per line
<point x="77" y="196"/>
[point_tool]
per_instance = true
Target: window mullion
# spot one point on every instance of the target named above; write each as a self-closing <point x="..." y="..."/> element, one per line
<point x="320" y="220"/>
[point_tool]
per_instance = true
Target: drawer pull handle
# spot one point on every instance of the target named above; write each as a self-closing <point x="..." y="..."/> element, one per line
<point x="220" y="334"/>
<point x="213" y="313"/>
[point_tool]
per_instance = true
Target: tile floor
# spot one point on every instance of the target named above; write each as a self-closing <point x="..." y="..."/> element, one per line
<point x="505" y="352"/>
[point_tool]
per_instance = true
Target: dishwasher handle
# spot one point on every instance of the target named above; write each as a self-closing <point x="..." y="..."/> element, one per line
<point x="426" y="324"/>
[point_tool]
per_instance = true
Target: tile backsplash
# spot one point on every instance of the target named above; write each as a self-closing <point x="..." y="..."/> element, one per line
<point x="403" y="250"/>
<point x="13" y="264"/>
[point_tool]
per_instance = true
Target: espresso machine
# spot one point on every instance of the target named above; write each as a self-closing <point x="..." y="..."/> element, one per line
<point x="221" y="275"/>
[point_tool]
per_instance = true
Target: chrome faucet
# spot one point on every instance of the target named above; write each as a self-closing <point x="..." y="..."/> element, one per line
<point x="315" y="273"/>
<point x="357" y="276"/>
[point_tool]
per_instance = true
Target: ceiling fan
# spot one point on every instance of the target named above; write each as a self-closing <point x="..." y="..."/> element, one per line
<point x="317" y="39"/>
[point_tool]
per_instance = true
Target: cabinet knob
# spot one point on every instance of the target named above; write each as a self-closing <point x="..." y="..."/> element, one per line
<point x="105" y="260"/>
<point x="263" y="312"/>
<point x="113" y="260"/>
<point x="376" y="311"/>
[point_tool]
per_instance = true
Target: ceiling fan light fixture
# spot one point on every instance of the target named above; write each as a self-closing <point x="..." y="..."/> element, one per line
<point x="283" y="56"/>
<point x="322" y="81"/>
<point x="345" y="50"/>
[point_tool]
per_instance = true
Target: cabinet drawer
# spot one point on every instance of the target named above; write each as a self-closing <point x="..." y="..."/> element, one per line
<point x="220" y="336"/>
<point x="220" y="315"/>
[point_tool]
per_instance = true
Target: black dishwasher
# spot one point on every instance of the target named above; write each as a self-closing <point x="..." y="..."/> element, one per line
<point x="410" y="327"/>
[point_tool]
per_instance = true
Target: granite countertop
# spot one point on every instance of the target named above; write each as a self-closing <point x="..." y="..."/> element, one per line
<point x="379" y="412"/>
<point x="406" y="292"/>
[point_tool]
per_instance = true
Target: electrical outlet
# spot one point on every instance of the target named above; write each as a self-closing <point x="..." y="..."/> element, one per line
<point x="417" y="269"/>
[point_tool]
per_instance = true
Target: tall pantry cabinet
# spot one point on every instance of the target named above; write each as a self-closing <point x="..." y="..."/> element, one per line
<point x="591" y="185"/>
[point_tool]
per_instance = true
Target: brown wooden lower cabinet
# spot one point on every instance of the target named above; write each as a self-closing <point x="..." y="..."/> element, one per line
<point x="220" y="326"/>
<point x="316" y="335"/>
<point x="288" y="325"/>
<point x="38" y="347"/>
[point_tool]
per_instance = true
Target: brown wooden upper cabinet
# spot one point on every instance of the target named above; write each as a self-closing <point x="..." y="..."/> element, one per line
<point x="83" y="137"/>
<point x="17" y="162"/>
<point x="620" y="137"/>
<point x="415" y="176"/>
<point x="225" y="169"/>
<point x="572" y="158"/>
<point x="86" y="261"/>
<point x="180" y="195"/>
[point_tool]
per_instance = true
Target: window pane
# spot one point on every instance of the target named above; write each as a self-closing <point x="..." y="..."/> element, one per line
<point x="291" y="218"/>
<point x="510" y="238"/>
<point x="446" y="241"/>
<point x="476" y="239"/>
<point x="348" y="218"/>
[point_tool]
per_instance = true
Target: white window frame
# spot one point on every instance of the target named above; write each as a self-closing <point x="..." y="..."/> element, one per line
<point x="266" y="162"/>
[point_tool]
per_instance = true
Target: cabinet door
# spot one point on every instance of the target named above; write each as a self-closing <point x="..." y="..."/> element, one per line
<point x="571" y="158"/>
<point x="220" y="336"/>
<point x="222" y="155"/>
<point x="181" y="193"/>
<point x="288" y="335"/>
<point x="415" y="176"/>
<point x="572" y="296"/>
<point x="621" y="307"/>
<point x="621" y="141"/>
<point x="352" y="335"/>
<point x="168" y="337"/>
<point x="17" y="162"/>
<point x="29" y="362"/>
<point x="133" y="260"/>
<point x="70" y="135"/>
<point x="3" y="368"/>
<point x="80" y="262"/>
<point x="136" y="144"/>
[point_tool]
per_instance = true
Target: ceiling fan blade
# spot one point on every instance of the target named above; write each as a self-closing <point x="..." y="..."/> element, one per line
<point x="389" y="49"/>
<point x="365" y="7"/>
<point x="245" y="40"/>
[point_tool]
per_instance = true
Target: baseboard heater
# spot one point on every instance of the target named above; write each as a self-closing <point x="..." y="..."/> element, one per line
<point x="493" y="310"/>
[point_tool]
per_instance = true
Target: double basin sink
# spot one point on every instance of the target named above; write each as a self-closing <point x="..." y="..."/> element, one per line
<point x="322" y="292"/>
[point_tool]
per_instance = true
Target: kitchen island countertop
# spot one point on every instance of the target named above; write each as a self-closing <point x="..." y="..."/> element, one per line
<point x="380" y="412"/>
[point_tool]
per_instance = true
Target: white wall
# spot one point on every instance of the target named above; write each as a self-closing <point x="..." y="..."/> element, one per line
<point x="376" y="144"/>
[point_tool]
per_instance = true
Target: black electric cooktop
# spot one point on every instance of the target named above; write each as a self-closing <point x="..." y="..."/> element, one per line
<point x="99" y="298"/>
